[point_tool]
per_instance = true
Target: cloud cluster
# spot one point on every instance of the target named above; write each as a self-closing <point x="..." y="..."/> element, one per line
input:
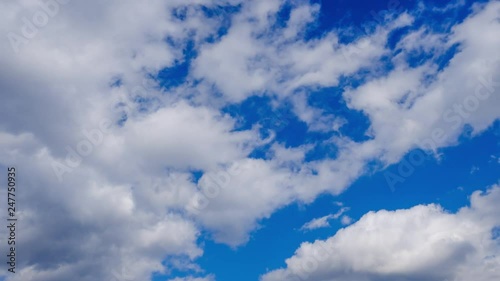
<point x="425" y="106"/>
<point x="119" y="203"/>
<point x="112" y="211"/>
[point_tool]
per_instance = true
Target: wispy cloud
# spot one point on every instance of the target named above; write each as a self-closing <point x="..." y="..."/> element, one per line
<point x="325" y="221"/>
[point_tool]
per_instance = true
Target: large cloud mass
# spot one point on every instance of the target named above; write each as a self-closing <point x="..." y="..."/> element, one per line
<point x="119" y="174"/>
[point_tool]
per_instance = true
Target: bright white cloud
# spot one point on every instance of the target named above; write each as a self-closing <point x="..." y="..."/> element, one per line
<point x="408" y="110"/>
<point x="252" y="60"/>
<point x="421" y="243"/>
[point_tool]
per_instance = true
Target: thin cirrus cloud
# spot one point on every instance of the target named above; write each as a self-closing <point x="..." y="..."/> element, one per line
<point x="325" y="220"/>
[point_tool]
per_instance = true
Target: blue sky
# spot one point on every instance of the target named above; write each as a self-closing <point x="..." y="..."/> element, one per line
<point x="269" y="140"/>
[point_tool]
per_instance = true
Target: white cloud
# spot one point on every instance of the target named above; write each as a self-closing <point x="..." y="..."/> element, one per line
<point x="98" y="226"/>
<point x="407" y="110"/>
<point x="114" y="215"/>
<point x="324" y="221"/>
<point x="317" y="223"/>
<point x="404" y="109"/>
<point x="346" y="220"/>
<point x="183" y="136"/>
<point x="252" y="60"/>
<point x="421" y="243"/>
<point x="236" y="202"/>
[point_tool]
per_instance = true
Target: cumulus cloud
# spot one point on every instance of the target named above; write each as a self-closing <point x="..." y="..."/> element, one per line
<point x="235" y="201"/>
<point x="257" y="58"/>
<point x="109" y="213"/>
<point x="407" y="110"/>
<point x="408" y="107"/>
<point x="421" y="243"/>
